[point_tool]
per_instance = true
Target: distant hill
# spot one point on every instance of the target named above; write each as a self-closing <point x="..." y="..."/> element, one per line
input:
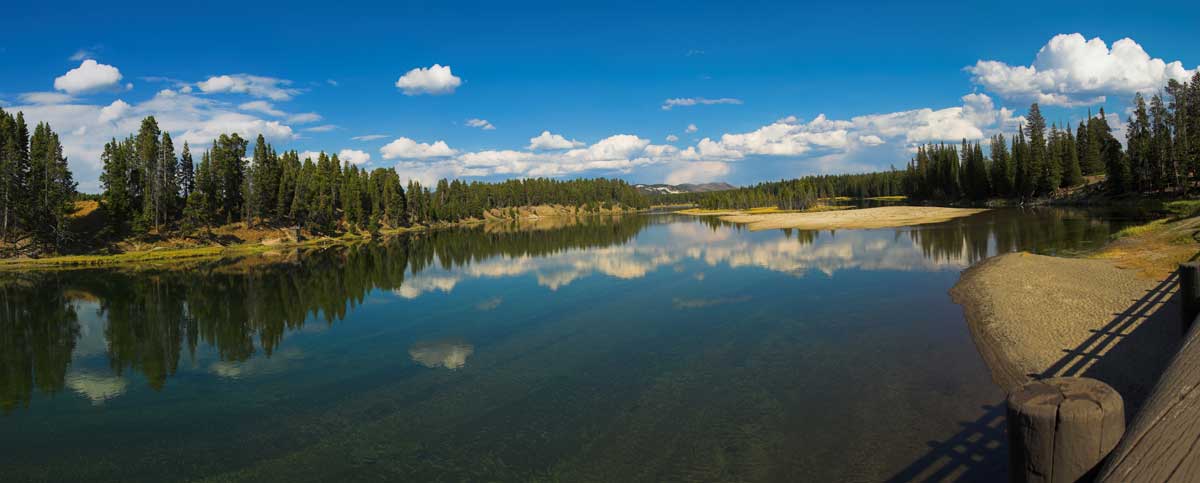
<point x="666" y="189"/>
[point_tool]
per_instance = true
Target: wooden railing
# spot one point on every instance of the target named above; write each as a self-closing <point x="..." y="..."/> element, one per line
<point x="1069" y="429"/>
<point x="1163" y="442"/>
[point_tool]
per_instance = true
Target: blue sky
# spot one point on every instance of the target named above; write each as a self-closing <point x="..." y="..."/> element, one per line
<point x="754" y="78"/>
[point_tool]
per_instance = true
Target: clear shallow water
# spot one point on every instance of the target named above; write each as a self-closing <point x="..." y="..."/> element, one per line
<point x="652" y="348"/>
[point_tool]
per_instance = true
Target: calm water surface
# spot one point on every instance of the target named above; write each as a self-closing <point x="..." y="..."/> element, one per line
<point x="642" y="348"/>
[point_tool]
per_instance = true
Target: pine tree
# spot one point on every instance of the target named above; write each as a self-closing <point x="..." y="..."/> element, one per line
<point x="264" y="176"/>
<point x="975" y="172"/>
<point x="1139" y="147"/>
<point x="394" y="201"/>
<point x="14" y="173"/>
<point x="285" y="194"/>
<point x="1087" y="166"/>
<point x="1192" y="128"/>
<point x="229" y="170"/>
<point x="55" y="190"/>
<point x="1002" y="168"/>
<point x="166" y="192"/>
<point x="187" y="172"/>
<point x="1098" y="134"/>
<point x="1072" y="173"/>
<point x="203" y="201"/>
<point x="148" y="175"/>
<point x="1164" y="172"/>
<point x="1180" y="148"/>
<point x="1047" y="171"/>
<point x="119" y="199"/>
<point x="1027" y="173"/>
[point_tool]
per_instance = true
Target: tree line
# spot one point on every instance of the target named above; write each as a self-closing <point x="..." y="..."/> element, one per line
<point x="149" y="187"/>
<point x="146" y="187"/>
<point x="36" y="187"/>
<point x="1161" y="156"/>
<point x="796" y="194"/>
<point x="1034" y="162"/>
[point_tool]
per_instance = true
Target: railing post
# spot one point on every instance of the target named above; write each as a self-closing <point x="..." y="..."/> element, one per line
<point x="1060" y="429"/>
<point x="1189" y="293"/>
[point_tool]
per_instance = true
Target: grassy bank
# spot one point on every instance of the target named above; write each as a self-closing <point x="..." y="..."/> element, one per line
<point x="1156" y="248"/>
<point x="238" y="240"/>
<point x="162" y="256"/>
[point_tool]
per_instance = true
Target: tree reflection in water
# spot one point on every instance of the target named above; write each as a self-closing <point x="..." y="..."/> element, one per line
<point x="244" y="307"/>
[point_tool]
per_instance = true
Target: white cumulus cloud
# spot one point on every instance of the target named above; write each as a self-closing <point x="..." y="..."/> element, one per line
<point x="354" y="156"/>
<point x="1072" y="70"/>
<point x="405" y="148"/>
<point x="252" y="85"/>
<point x="435" y="80"/>
<point x="871" y="140"/>
<point x="113" y="111"/>
<point x="547" y="140"/>
<point x="90" y="76"/>
<point x="697" y="172"/>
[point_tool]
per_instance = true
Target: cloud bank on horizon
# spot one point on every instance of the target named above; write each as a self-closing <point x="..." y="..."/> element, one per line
<point x="1069" y="70"/>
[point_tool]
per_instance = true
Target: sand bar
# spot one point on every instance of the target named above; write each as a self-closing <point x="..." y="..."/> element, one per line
<point x="1039" y="316"/>
<point x="866" y="218"/>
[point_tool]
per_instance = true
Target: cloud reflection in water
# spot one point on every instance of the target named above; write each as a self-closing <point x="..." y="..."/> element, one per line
<point x="450" y="355"/>
<point x="794" y="253"/>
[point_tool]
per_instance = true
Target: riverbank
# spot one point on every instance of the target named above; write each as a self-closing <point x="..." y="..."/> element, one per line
<point x="842" y="219"/>
<point x="1112" y="316"/>
<point x="237" y="240"/>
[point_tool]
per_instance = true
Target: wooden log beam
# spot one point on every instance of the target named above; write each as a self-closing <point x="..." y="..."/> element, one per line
<point x="1163" y="441"/>
<point x="1189" y="294"/>
<point x="1061" y="428"/>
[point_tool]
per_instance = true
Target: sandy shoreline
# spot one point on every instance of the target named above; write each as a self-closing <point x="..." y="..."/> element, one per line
<point x="866" y="218"/>
<point x="1035" y="316"/>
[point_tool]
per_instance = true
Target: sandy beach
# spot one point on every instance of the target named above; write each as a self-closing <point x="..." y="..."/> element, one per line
<point x="1035" y="316"/>
<point x="866" y="218"/>
<point x="1113" y="316"/>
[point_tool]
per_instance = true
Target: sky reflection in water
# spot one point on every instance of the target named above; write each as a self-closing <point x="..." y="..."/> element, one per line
<point x="642" y="348"/>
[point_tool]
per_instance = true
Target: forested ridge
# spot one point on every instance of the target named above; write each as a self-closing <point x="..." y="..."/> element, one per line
<point x="149" y="189"/>
<point x="1161" y="156"/>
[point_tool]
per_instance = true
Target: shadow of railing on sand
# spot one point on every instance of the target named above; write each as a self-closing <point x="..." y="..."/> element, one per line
<point x="1137" y="341"/>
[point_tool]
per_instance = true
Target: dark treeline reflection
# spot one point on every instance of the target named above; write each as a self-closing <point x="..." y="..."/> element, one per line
<point x="238" y="307"/>
<point x="1044" y="230"/>
<point x="1050" y="231"/>
<point x="38" y="329"/>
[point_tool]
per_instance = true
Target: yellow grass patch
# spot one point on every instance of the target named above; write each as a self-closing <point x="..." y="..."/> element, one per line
<point x="1156" y="248"/>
